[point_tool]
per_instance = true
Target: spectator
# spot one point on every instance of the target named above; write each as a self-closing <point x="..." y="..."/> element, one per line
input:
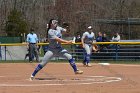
<point x="32" y="40"/>
<point x="77" y="38"/>
<point x="116" y="37"/>
<point x="99" y="38"/>
<point x="78" y="48"/>
<point x="105" y="39"/>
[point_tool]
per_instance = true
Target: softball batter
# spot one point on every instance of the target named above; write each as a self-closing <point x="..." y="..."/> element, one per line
<point x="87" y="40"/>
<point x="55" y="48"/>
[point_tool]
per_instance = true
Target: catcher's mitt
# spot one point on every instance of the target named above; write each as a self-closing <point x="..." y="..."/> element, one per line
<point x="65" y="25"/>
<point x="95" y="48"/>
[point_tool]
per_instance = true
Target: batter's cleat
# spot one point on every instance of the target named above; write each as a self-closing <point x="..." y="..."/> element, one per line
<point x="89" y="65"/>
<point x="38" y="61"/>
<point x="84" y="63"/>
<point x="79" y="72"/>
<point x="31" y="78"/>
<point x="30" y="61"/>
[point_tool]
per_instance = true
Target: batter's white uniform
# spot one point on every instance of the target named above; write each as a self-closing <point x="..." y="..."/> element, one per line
<point x="88" y="39"/>
<point x="54" y="47"/>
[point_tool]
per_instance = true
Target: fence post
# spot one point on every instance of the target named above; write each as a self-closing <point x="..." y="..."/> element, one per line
<point x="5" y="52"/>
<point x="0" y="54"/>
<point x="116" y="52"/>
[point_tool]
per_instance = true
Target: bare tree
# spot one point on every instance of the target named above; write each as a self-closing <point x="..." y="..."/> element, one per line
<point x="78" y="13"/>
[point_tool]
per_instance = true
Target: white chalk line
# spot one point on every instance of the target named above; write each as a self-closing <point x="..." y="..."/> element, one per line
<point x="107" y="64"/>
<point x="127" y="65"/>
<point x="89" y="80"/>
<point x="2" y="76"/>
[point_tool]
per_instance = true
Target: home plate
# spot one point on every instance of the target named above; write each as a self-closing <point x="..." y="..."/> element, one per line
<point x="104" y="63"/>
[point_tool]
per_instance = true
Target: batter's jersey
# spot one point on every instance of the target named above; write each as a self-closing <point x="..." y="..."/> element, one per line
<point x="52" y="34"/>
<point x="88" y="37"/>
<point x="59" y="31"/>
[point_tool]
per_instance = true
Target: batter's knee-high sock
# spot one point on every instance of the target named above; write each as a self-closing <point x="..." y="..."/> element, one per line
<point x="38" y="68"/>
<point x="72" y="63"/>
<point x="84" y="58"/>
<point x="88" y="58"/>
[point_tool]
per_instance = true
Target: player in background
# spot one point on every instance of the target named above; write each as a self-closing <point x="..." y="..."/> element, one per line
<point x="55" y="49"/>
<point x="87" y="43"/>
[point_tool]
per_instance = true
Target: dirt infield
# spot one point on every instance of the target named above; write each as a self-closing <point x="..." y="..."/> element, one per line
<point x="59" y="78"/>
